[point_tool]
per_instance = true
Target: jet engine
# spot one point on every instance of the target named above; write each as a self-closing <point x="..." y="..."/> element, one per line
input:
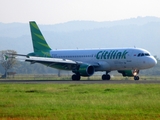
<point x="85" y="70"/>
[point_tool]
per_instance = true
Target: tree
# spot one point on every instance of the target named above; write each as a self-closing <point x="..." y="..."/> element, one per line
<point x="7" y="61"/>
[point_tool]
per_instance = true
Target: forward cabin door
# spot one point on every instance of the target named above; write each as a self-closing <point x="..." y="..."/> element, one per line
<point x="128" y="63"/>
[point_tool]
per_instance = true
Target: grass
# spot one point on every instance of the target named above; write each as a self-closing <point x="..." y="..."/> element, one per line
<point x="79" y="101"/>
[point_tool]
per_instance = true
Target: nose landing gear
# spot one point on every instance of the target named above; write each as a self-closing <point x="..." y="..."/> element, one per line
<point x="135" y="73"/>
<point x="136" y="77"/>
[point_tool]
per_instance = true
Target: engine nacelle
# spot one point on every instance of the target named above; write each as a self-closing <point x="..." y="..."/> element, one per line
<point x="85" y="70"/>
<point x="125" y="73"/>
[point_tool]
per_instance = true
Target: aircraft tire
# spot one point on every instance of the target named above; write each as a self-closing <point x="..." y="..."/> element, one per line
<point x="76" y="77"/>
<point x="136" y="77"/>
<point x="106" y="77"/>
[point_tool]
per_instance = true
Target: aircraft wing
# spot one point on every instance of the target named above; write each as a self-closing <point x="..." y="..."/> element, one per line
<point x="59" y="63"/>
<point x="53" y="62"/>
<point x="49" y="60"/>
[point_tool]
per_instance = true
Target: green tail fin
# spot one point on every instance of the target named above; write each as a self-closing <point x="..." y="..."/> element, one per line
<point x="40" y="46"/>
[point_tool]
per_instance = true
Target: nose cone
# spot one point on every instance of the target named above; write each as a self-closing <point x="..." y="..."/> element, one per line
<point x="152" y="62"/>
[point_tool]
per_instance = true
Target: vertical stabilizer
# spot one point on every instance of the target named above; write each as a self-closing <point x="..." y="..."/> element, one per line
<point x="40" y="45"/>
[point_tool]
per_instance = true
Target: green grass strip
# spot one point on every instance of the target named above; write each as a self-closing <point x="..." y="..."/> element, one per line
<point x="79" y="101"/>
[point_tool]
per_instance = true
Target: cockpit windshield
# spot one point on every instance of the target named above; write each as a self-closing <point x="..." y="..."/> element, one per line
<point x="147" y="54"/>
<point x="143" y="54"/>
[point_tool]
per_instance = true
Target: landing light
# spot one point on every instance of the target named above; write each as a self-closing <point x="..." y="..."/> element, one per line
<point x="134" y="73"/>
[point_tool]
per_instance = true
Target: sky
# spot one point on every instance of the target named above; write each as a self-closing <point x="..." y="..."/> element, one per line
<point x="60" y="11"/>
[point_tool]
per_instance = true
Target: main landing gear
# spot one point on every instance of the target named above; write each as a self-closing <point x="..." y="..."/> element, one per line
<point x="106" y="77"/>
<point x="76" y="77"/>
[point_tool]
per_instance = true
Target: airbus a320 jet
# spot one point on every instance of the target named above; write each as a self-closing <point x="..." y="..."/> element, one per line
<point x="127" y="61"/>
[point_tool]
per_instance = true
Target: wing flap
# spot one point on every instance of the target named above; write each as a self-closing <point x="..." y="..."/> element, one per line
<point x="49" y="60"/>
<point x="53" y="62"/>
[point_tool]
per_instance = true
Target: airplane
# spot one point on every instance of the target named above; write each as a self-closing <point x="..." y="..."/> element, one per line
<point x="127" y="61"/>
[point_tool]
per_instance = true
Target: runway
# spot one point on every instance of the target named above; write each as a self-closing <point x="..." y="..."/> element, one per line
<point x="80" y="82"/>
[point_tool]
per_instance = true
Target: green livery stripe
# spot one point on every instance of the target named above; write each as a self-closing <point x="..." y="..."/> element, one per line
<point x="40" y="45"/>
<point x="44" y="45"/>
<point x="39" y="36"/>
<point x="46" y="54"/>
<point x="34" y="25"/>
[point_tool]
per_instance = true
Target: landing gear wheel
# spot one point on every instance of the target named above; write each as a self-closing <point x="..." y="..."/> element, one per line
<point x="76" y="77"/>
<point x="136" y="77"/>
<point x="106" y="77"/>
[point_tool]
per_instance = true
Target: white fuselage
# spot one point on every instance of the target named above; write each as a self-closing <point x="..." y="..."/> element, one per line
<point x="109" y="59"/>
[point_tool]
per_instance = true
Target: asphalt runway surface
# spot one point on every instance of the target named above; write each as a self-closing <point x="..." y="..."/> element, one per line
<point x="81" y="81"/>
